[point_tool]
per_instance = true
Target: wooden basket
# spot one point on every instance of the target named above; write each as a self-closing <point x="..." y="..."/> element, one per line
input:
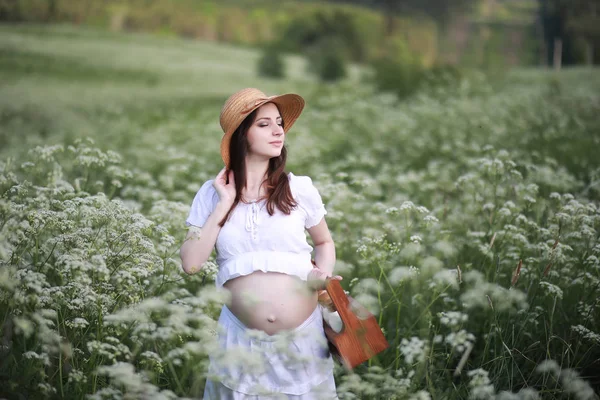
<point x="361" y="337"/>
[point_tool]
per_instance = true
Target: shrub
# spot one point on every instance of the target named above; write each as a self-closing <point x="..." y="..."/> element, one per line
<point x="271" y="63"/>
<point x="397" y="69"/>
<point x="400" y="71"/>
<point x="308" y="31"/>
<point x="327" y="60"/>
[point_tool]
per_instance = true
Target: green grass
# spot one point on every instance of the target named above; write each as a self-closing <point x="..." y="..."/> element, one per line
<point x="65" y="80"/>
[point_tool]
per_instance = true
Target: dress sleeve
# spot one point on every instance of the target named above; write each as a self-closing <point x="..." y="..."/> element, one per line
<point x="203" y="205"/>
<point x="309" y="200"/>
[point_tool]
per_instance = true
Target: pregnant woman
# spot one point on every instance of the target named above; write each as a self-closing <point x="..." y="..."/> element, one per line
<point x="256" y="215"/>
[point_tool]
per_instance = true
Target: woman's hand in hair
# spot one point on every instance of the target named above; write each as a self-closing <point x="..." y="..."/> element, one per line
<point x="225" y="189"/>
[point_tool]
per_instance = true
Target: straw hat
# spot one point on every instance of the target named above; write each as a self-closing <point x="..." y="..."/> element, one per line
<point x="241" y="104"/>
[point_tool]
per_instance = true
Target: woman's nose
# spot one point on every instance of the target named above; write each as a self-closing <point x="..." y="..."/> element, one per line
<point x="278" y="131"/>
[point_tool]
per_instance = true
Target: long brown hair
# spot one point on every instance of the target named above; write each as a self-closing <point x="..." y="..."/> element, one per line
<point x="279" y="193"/>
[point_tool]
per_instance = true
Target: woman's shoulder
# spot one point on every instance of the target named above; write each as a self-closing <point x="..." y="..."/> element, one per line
<point x="207" y="186"/>
<point x="302" y="187"/>
<point x="207" y="191"/>
<point x="308" y="197"/>
<point x="299" y="182"/>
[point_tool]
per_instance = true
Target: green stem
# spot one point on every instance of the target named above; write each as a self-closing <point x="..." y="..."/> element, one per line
<point x="380" y="321"/>
<point x="397" y="363"/>
<point x="60" y="375"/>
<point x="60" y="367"/>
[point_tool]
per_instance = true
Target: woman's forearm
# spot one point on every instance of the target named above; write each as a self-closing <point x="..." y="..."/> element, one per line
<point x="197" y="247"/>
<point x="325" y="257"/>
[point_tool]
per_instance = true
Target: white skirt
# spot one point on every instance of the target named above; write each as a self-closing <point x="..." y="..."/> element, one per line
<point x="250" y="364"/>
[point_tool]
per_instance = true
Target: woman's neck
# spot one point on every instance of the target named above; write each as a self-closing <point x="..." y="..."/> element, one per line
<point x="256" y="174"/>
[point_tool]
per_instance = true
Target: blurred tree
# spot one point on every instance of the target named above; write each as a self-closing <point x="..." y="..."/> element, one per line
<point x="52" y="10"/>
<point x="584" y="21"/>
<point x="563" y="22"/>
<point x="327" y="59"/>
<point x="305" y="31"/>
<point x="271" y="63"/>
<point x="10" y="11"/>
<point x="440" y="10"/>
<point x="553" y="14"/>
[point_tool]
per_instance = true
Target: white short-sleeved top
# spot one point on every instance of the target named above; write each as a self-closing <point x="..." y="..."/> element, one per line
<point x="252" y="240"/>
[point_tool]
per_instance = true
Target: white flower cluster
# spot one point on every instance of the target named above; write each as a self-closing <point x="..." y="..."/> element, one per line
<point x="413" y="350"/>
<point x="123" y="375"/>
<point x="572" y="383"/>
<point x="420" y="395"/>
<point x="77" y="323"/>
<point x="416" y="239"/>
<point x="586" y="311"/>
<point x="452" y="318"/>
<point x="114" y="350"/>
<point x="77" y="376"/>
<point x="501" y="298"/>
<point x="551" y="289"/>
<point x="401" y="274"/>
<point x="446" y="278"/>
<point x="586" y="333"/>
<point x="430" y="219"/>
<point x="523" y="394"/>
<point x="481" y="387"/>
<point x="548" y="367"/>
<point x="32" y="355"/>
<point x="459" y="340"/>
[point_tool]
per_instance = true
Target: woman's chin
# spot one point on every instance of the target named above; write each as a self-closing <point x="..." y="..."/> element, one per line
<point x="275" y="154"/>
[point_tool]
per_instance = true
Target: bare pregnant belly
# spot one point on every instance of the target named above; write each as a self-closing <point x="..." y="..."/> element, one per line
<point x="271" y="301"/>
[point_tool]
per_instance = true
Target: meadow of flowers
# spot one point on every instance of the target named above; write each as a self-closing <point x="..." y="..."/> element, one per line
<point x="465" y="218"/>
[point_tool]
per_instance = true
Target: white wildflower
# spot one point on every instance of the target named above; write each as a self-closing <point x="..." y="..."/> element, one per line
<point x="416" y="239"/>
<point x="505" y="212"/>
<point x="452" y="318"/>
<point x="401" y="274"/>
<point x="392" y="211"/>
<point x="77" y="376"/>
<point x="413" y="350"/>
<point x="572" y="383"/>
<point x="430" y="218"/>
<point x="586" y="333"/>
<point x="529" y="199"/>
<point x="459" y="340"/>
<point x="488" y="206"/>
<point x="551" y="289"/>
<point x="407" y="206"/>
<point x="77" y="323"/>
<point x="46" y="389"/>
<point x="480" y="385"/>
<point x="548" y="366"/>
<point x="420" y="395"/>
<point x="445" y="278"/>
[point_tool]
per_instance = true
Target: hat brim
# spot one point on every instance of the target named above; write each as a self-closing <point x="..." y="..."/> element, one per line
<point x="290" y="107"/>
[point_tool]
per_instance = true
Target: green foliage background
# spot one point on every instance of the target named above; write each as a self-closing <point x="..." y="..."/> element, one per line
<point x="434" y="202"/>
<point x="257" y="22"/>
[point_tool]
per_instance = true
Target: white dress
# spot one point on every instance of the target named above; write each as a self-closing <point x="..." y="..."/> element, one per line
<point x="249" y="363"/>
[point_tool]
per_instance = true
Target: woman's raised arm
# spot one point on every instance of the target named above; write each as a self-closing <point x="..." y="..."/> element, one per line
<point x="200" y="242"/>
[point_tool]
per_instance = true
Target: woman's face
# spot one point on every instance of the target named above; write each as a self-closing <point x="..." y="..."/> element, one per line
<point x="265" y="135"/>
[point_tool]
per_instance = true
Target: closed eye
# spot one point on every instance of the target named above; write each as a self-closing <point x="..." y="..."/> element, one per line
<point x="262" y="125"/>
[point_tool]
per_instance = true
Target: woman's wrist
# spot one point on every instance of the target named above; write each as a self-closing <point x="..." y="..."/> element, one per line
<point x="221" y="209"/>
